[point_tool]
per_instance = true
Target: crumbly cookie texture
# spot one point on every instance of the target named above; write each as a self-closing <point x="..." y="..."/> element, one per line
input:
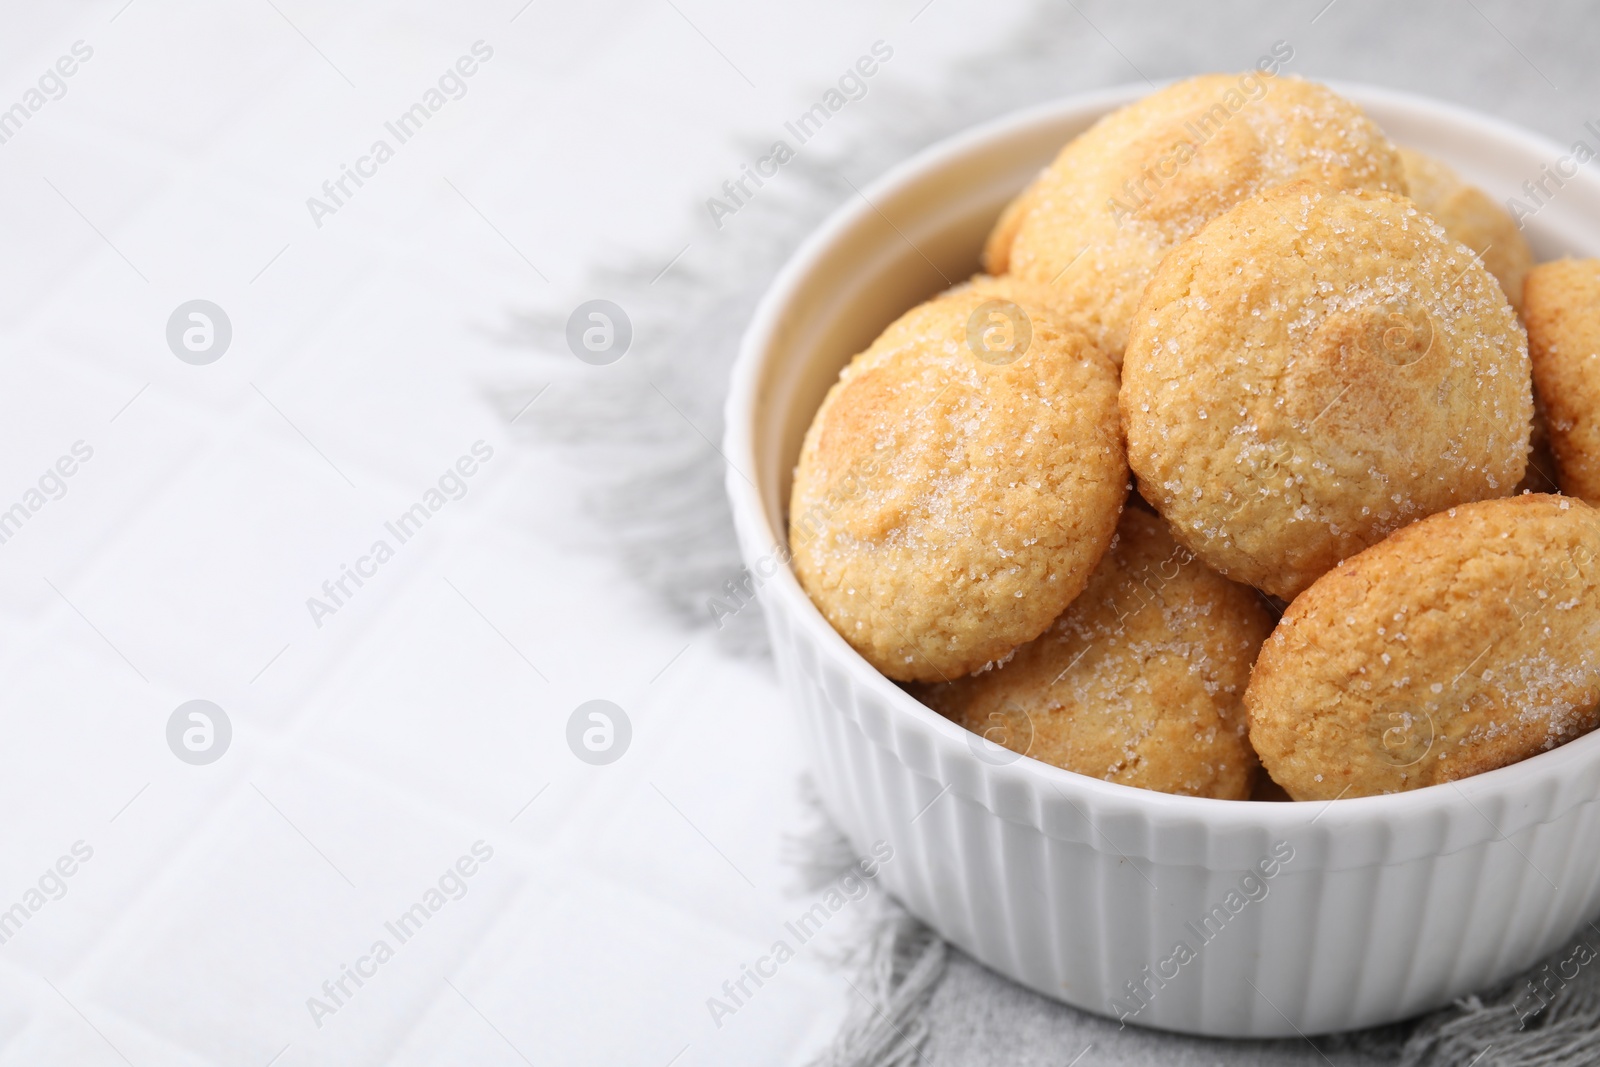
<point x="1469" y="216"/>
<point x="1140" y="681"/>
<point x="1150" y="175"/>
<point x="1562" y="309"/>
<point x="1465" y="642"/>
<point x="1314" y="370"/>
<point x="952" y="497"/>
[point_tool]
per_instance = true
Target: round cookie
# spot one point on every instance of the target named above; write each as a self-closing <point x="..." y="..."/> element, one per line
<point x="1562" y="309"/>
<point x="1469" y="216"/>
<point x="1314" y="370"/>
<point x="1139" y="681"/>
<point x="1148" y="176"/>
<point x="1465" y="642"/>
<point x="958" y="484"/>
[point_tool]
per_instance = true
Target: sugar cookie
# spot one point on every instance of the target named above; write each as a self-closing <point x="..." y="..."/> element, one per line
<point x="1140" y="681"/>
<point x="1148" y="176"/>
<point x="1465" y="642"/>
<point x="1314" y="370"/>
<point x="959" y="483"/>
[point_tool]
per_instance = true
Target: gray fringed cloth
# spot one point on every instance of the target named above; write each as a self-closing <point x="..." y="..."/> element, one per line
<point x="920" y="1001"/>
<point x="657" y="494"/>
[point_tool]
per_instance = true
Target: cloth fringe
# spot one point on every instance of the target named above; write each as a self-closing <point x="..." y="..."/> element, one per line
<point x="887" y="1025"/>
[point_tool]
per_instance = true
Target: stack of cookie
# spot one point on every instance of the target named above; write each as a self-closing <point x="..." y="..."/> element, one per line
<point x="1339" y="564"/>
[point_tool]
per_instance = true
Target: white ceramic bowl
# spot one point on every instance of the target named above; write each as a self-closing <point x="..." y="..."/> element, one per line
<point x="1073" y="886"/>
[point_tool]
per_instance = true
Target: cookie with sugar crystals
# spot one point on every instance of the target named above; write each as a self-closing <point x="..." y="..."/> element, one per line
<point x="1314" y="370"/>
<point x="1469" y="216"/>
<point x="959" y="483"/>
<point x="1465" y="642"/>
<point x="1140" y="681"/>
<point x="1148" y="176"/>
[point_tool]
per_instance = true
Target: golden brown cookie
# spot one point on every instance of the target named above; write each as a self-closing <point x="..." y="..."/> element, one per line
<point x="1009" y="287"/>
<point x="997" y="249"/>
<point x="1151" y="174"/>
<point x="1139" y="681"/>
<point x="1469" y="216"/>
<point x="1314" y="370"/>
<point x="1562" y="310"/>
<point x="958" y="484"/>
<point x="1465" y="642"/>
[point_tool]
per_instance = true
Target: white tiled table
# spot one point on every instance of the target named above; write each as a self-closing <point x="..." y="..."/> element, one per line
<point x="371" y="752"/>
